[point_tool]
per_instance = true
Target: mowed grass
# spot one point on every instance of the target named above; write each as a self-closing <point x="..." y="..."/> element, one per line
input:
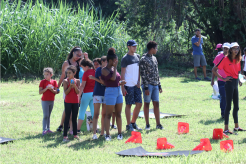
<point x="21" y="119"/>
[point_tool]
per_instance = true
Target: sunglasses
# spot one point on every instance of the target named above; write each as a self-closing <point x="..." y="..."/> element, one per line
<point x="234" y="49"/>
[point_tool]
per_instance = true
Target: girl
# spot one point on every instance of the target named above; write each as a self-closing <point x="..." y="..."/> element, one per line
<point x="113" y="94"/>
<point x="47" y="87"/>
<point x="231" y="66"/>
<point x="73" y="58"/>
<point x="97" y="63"/>
<point x="86" y="87"/>
<point x="71" y="89"/>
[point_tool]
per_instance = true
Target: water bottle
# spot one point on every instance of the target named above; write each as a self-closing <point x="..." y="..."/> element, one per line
<point x="72" y="82"/>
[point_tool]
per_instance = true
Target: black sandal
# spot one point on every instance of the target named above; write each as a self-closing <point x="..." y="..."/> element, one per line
<point x="239" y="129"/>
<point x="227" y="132"/>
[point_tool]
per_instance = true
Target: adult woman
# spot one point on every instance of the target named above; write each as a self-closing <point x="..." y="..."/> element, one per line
<point x="73" y="58"/>
<point x="113" y="94"/>
<point x="231" y="66"/>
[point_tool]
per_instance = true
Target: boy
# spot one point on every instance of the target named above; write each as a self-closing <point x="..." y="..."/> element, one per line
<point x="131" y="90"/>
<point x="151" y="85"/>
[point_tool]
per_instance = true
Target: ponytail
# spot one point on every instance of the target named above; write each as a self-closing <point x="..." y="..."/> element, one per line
<point x="74" y="49"/>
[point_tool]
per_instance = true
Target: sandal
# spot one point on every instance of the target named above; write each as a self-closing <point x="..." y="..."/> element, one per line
<point x="238" y="129"/>
<point x="227" y="132"/>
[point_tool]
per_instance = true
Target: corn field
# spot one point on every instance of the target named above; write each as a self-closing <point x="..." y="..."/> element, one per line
<point x="34" y="36"/>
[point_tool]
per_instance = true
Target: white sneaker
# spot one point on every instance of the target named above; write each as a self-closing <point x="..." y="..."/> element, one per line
<point x="94" y="137"/>
<point x="120" y="137"/>
<point x="108" y="138"/>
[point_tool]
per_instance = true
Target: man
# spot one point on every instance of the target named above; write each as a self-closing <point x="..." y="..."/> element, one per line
<point x="151" y="85"/>
<point x="198" y="56"/>
<point x="221" y="83"/>
<point x="131" y="90"/>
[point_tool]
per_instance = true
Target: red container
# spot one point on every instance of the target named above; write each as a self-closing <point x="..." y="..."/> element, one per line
<point x="218" y="134"/>
<point x="226" y="146"/>
<point x="135" y="138"/>
<point x="163" y="144"/>
<point x="204" y="145"/>
<point x="183" y="127"/>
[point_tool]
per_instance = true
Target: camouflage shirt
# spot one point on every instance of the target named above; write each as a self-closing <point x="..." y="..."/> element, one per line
<point x="149" y="71"/>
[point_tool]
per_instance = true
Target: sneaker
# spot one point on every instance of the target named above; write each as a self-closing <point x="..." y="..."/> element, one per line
<point x="108" y="138"/>
<point x="147" y="127"/>
<point x="49" y="131"/>
<point x="76" y="137"/>
<point x="159" y="127"/>
<point x="120" y="137"/>
<point x="44" y="132"/>
<point x="113" y="127"/>
<point x="207" y="79"/>
<point x="59" y="129"/>
<point x="94" y="137"/>
<point x="239" y="129"/>
<point x="129" y="127"/>
<point x="227" y="132"/>
<point x="65" y="139"/>
<point x="197" y="78"/>
<point x="78" y="131"/>
<point x="134" y="125"/>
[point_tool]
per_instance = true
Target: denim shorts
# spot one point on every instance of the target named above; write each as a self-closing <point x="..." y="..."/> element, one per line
<point x="153" y="93"/>
<point x="133" y="96"/>
<point x="113" y="96"/>
<point x="98" y="99"/>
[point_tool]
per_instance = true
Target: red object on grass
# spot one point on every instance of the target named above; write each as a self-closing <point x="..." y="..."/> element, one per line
<point x="183" y="127"/>
<point x="204" y="145"/>
<point x="163" y="144"/>
<point x="226" y="145"/>
<point x="135" y="138"/>
<point x="218" y="134"/>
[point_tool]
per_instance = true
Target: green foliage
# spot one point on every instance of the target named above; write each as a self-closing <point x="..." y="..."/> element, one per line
<point x="36" y="36"/>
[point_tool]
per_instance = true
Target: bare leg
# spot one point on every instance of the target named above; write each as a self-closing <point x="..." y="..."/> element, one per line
<point x="95" y="117"/>
<point x="236" y="125"/>
<point x="103" y="118"/>
<point x="226" y="128"/>
<point x="195" y="71"/>
<point x="113" y="118"/>
<point x="118" y="109"/>
<point x="136" y="112"/>
<point x="204" y="71"/>
<point x="128" y="113"/>
<point x="109" y="111"/>
<point x="80" y="122"/>
<point x="156" y="112"/>
<point x="146" y="112"/>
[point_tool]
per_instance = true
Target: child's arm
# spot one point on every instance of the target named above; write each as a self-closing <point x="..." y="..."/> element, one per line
<point x="81" y="89"/>
<point x="96" y="79"/>
<point x="77" y="86"/>
<point x="66" y="89"/>
<point x="41" y="90"/>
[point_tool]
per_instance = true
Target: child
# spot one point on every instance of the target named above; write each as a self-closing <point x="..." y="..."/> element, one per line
<point x="48" y="88"/>
<point x="71" y="89"/>
<point x="86" y="87"/>
<point x="244" y="62"/>
<point x="97" y="63"/>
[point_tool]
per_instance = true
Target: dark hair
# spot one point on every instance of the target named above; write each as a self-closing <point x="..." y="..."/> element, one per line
<point x="74" y="49"/>
<point x="97" y="60"/>
<point x="219" y="49"/>
<point x="111" y="54"/>
<point x="87" y="62"/>
<point x="151" y="44"/>
<point x="238" y="56"/>
<point x="244" y="49"/>
<point x="103" y="58"/>
<point x="197" y="30"/>
<point x="71" y="68"/>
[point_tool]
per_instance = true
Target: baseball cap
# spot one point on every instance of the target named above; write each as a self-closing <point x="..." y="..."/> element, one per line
<point x="218" y="46"/>
<point x="131" y="43"/>
<point x="234" y="44"/>
<point x="227" y="45"/>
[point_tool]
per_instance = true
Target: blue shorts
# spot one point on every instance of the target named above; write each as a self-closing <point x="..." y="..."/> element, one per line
<point x="134" y="95"/>
<point x="153" y="93"/>
<point x="113" y="96"/>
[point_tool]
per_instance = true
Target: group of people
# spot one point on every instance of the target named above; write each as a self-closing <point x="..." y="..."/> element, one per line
<point x="92" y="83"/>
<point x="227" y="67"/>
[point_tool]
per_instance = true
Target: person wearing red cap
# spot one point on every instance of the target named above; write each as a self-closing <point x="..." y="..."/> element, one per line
<point x="231" y="65"/>
<point x="219" y="48"/>
<point x="221" y="83"/>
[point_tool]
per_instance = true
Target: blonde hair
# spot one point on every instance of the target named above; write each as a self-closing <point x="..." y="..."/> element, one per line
<point x="49" y="70"/>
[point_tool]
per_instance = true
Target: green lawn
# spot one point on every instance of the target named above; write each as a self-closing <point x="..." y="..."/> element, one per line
<point x="21" y="118"/>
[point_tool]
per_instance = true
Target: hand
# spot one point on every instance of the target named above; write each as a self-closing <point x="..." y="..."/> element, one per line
<point x="124" y="92"/>
<point x="86" y="55"/>
<point x="73" y="85"/>
<point x="212" y="83"/>
<point x="91" y="77"/>
<point x="227" y="78"/>
<point x="146" y="92"/>
<point x="160" y="90"/>
<point x="115" y="64"/>
<point x="138" y="84"/>
<point x="122" y="82"/>
<point x="57" y="91"/>
<point x="50" y="87"/>
<point x="199" y="35"/>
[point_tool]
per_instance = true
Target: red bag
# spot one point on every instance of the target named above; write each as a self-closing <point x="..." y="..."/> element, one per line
<point x="226" y="145"/>
<point x="204" y="145"/>
<point x="183" y="127"/>
<point x="163" y="144"/>
<point x="135" y="138"/>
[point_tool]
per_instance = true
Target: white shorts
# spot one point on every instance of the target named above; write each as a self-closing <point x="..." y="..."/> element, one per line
<point x="98" y="99"/>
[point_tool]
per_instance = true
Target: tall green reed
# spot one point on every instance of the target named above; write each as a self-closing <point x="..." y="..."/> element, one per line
<point x="34" y="36"/>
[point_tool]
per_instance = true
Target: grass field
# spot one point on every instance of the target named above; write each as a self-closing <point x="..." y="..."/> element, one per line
<point x="21" y="118"/>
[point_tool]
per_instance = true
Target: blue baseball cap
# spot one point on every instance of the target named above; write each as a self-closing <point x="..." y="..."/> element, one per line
<point x="131" y="43"/>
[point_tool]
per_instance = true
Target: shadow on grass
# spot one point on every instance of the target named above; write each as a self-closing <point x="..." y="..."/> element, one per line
<point x="242" y="142"/>
<point x="207" y="122"/>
